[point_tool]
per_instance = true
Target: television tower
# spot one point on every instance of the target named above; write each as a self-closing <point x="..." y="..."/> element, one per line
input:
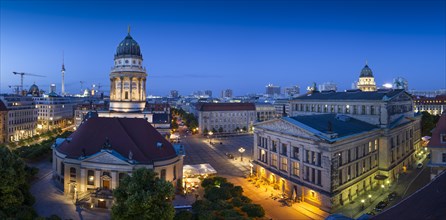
<point x="63" y="76"/>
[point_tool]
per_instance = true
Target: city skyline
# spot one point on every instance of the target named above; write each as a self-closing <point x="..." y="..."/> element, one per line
<point x="189" y="46"/>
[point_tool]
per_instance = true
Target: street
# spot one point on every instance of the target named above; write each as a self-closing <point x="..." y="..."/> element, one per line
<point x="198" y="150"/>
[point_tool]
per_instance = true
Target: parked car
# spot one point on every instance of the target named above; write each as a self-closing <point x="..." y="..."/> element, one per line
<point x="420" y="165"/>
<point x="380" y="206"/>
<point x="372" y="213"/>
<point x="392" y="196"/>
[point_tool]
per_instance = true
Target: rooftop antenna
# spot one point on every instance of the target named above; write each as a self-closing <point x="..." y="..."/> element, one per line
<point x="128" y="29"/>
<point x="366" y="62"/>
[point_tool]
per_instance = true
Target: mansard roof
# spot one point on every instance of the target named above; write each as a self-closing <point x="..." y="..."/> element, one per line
<point x="341" y="125"/>
<point x="384" y="94"/>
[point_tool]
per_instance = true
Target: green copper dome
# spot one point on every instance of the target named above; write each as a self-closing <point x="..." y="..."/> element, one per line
<point x="128" y="47"/>
<point x="366" y="72"/>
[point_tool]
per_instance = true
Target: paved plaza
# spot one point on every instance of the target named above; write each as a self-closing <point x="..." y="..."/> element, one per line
<point x="199" y="150"/>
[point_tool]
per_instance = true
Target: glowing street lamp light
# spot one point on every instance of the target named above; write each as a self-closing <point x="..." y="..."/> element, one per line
<point x="241" y="150"/>
<point x="370" y="198"/>
<point x="362" y="203"/>
<point x="210" y="136"/>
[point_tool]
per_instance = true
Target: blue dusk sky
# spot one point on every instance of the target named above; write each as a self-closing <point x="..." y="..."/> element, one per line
<point x="242" y="45"/>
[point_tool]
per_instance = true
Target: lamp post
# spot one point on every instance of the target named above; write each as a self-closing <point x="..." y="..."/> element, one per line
<point x="251" y="166"/>
<point x="241" y="150"/>
<point x="210" y="136"/>
<point x="362" y="203"/>
<point x="370" y="198"/>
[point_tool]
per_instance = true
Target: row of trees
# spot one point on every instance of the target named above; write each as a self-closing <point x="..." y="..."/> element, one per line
<point x="222" y="200"/>
<point x="189" y="119"/>
<point x="428" y="122"/>
<point x="220" y="130"/>
<point x="38" y="150"/>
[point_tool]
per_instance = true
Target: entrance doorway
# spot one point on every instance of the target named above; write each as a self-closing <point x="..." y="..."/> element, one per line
<point x="106" y="184"/>
<point x="102" y="204"/>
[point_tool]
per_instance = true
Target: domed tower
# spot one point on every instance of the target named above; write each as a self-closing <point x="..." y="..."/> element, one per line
<point x="34" y="90"/>
<point x="128" y="78"/>
<point x="366" y="80"/>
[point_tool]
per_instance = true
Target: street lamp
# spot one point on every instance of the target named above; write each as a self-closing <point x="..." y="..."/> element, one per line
<point x="370" y="198"/>
<point x="362" y="203"/>
<point x="241" y="150"/>
<point x="251" y="166"/>
<point x="210" y="136"/>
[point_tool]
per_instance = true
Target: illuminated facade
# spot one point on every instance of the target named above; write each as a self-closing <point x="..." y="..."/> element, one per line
<point x="20" y="121"/>
<point x="336" y="147"/>
<point x="92" y="161"/>
<point x="366" y="81"/>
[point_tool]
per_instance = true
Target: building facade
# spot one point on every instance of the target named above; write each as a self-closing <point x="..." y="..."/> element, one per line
<point x="92" y="162"/>
<point x="366" y="81"/>
<point x="434" y="105"/>
<point x="227" y="93"/>
<point x="272" y="90"/>
<point x="339" y="145"/>
<point x="226" y="117"/>
<point x="21" y="117"/>
<point x="437" y="147"/>
<point x="265" y="111"/>
<point x="55" y="112"/>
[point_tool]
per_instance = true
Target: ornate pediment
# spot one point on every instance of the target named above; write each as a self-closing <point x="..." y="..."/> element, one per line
<point x="282" y="126"/>
<point x="105" y="158"/>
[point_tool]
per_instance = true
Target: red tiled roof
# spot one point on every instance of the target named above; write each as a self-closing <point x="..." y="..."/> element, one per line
<point x="439" y="129"/>
<point x="124" y="135"/>
<point x="226" y="107"/>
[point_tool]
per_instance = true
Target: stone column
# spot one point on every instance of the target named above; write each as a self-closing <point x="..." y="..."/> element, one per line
<point x="144" y="91"/>
<point x="122" y="88"/>
<point x="114" y="179"/>
<point x="82" y="182"/>
<point x="138" y="88"/>
<point x="112" y="97"/>
<point x="97" y="178"/>
<point x="131" y="88"/>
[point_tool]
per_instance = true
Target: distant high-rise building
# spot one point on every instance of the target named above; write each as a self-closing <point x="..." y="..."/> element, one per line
<point x="328" y="86"/>
<point x="174" y="93"/>
<point x="208" y="93"/>
<point x="292" y="91"/>
<point x="227" y="93"/>
<point x="272" y="90"/>
<point x="400" y="83"/>
<point x="366" y="80"/>
<point x="53" y="88"/>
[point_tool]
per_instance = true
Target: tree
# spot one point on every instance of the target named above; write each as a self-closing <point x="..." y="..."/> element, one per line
<point x="253" y="210"/>
<point x="428" y="122"/>
<point x="143" y="196"/>
<point x="205" y="131"/>
<point x="220" y="130"/>
<point x="16" y="200"/>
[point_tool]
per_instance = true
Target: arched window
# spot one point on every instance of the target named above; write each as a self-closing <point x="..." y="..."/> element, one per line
<point x="73" y="174"/>
<point x="163" y="174"/>
<point x="121" y="177"/>
<point x="90" y="177"/>
<point x="174" y="172"/>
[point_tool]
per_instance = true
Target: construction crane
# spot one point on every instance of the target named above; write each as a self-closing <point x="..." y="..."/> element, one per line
<point x="21" y="77"/>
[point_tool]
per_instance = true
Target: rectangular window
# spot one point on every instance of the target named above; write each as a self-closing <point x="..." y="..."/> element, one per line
<point x="313" y="157"/>
<point x="296" y="153"/>
<point x="284" y="164"/>
<point x="370" y="146"/>
<point x="443" y="157"/>
<point x="372" y="110"/>
<point x="307" y="156"/>
<point x="349" y="156"/>
<point x="376" y="144"/>
<point x="274" y="146"/>
<point x="319" y="159"/>
<point x="307" y="173"/>
<point x="443" y="138"/>
<point x="274" y="160"/>
<point x="284" y="149"/>
<point x="296" y="169"/>
<point x="319" y="178"/>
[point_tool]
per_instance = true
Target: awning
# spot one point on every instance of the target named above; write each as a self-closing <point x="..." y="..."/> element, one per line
<point x="381" y="177"/>
<point x="198" y="169"/>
